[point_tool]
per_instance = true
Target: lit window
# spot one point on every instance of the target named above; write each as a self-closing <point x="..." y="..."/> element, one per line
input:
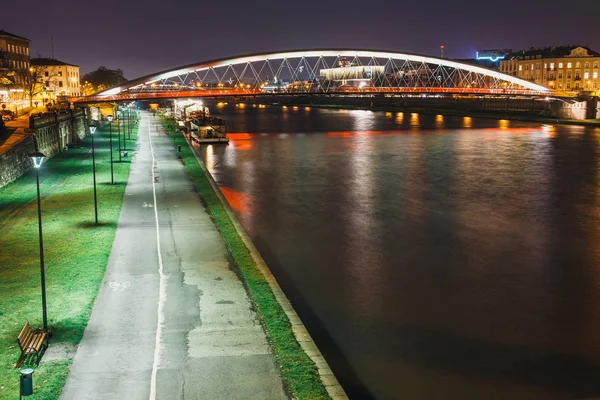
<point x="552" y="66"/>
<point x="532" y="66"/>
<point x="59" y="73"/>
<point x="560" y="65"/>
<point x="595" y="75"/>
<point x="520" y="68"/>
<point x="586" y="75"/>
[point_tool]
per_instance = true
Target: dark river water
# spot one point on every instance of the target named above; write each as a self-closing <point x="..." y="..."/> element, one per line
<point x="430" y="257"/>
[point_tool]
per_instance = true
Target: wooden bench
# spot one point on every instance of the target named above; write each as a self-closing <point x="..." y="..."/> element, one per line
<point x="32" y="343"/>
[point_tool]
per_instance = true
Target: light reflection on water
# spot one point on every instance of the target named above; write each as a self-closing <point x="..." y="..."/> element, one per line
<point x="455" y="263"/>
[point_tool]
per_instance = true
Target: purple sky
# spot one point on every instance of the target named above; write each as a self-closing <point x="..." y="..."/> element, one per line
<point x="142" y="37"/>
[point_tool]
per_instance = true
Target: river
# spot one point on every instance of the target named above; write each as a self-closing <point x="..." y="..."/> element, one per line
<point x="431" y="257"/>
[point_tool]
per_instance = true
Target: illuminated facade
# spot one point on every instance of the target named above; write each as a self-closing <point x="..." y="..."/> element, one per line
<point x="569" y="68"/>
<point x="14" y="57"/>
<point x="59" y="78"/>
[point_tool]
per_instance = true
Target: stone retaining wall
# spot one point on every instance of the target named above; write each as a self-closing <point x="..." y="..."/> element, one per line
<point x="15" y="162"/>
<point x="53" y="132"/>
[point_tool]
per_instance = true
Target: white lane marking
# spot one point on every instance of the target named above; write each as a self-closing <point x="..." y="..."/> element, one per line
<point x="162" y="287"/>
<point x="119" y="286"/>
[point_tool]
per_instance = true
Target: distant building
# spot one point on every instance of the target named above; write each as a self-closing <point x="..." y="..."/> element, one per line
<point x="14" y="56"/>
<point x="573" y="68"/>
<point x="59" y="78"/>
<point x="348" y="74"/>
<point x="492" y="55"/>
<point x="487" y="58"/>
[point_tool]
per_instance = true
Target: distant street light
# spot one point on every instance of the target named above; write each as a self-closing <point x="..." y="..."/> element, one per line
<point x="92" y="131"/>
<point x="37" y="163"/>
<point x="112" y="176"/>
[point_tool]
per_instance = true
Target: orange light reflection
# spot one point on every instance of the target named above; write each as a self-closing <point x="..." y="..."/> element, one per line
<point x="238" y="201"/>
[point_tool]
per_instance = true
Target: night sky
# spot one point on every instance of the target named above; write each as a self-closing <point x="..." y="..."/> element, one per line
<point x="142" y="37"/>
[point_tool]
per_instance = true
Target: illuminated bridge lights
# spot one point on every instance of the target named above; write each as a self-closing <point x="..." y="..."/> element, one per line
<point x="342" y="72"/>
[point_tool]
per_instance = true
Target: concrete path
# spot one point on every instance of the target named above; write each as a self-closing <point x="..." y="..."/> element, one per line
<point x="172" y="320"/>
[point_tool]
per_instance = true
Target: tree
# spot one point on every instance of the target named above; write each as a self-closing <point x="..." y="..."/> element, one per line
<point x="7" y="80"/>
<point x="100" y="79"/>
<point x="6" y="77"/>
<point x="33" y="82"/>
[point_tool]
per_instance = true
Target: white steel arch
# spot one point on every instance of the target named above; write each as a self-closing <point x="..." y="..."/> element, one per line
<point x="426" y="71"/>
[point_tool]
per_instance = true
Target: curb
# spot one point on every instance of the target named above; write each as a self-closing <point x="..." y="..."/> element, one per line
<point x="333" y="387"/>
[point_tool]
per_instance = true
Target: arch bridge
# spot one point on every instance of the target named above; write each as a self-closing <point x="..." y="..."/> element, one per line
<point x="338" y="72"/>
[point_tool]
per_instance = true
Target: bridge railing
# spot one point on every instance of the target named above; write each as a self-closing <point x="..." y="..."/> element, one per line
<point x="129" y="96"/>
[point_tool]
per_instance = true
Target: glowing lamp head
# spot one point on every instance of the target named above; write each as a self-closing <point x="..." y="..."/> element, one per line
<point x="37" y="158"/>
<point x="92" y="129"/>
<point x="110" y="118"/>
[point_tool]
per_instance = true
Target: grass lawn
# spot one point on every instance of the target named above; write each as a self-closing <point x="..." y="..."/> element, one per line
<point x="298" y="370"/>
<point x="76" y="252"/>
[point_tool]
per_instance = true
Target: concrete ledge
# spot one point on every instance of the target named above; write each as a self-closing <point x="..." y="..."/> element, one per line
<point x="333" y="387"/>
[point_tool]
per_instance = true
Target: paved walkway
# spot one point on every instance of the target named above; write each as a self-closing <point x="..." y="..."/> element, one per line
<point x="172" y="320"/>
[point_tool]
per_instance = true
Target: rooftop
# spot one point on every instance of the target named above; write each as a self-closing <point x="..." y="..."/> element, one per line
<point x="550" y="52"/>
<point x="49" y="61"/>
<point x="4" y="33"/>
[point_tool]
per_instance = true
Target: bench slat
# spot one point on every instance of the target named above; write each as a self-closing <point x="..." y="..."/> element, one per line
<point x="37" y="341"/>
<point x="26" y="329"/>
<point x="25" y="340"/>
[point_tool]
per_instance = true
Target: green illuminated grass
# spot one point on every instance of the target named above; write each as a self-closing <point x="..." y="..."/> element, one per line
<point x="298" y="370"/>
<point x="76" y="252"/>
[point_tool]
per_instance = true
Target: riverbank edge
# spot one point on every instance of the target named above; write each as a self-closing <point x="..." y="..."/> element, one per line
<point x="317" y="373"/>
<point x="333" y="387"/>
<point x="594" y="123"/>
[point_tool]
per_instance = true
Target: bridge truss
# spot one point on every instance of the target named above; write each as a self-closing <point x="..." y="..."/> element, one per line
<point x="335" y="72"/>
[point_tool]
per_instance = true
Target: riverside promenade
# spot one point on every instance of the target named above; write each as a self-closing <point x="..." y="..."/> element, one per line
<point x="172" y="319"/>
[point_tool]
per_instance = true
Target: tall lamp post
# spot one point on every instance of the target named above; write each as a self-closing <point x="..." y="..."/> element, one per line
<point x="124" y="136"/>
<point x="92" y="131"/>
<point x="118" y="131"/>
<point x="129" y="116"/>
<point x="112" y="176"/>
<point x="37" y="158"/>
<point x="126" y="108"/>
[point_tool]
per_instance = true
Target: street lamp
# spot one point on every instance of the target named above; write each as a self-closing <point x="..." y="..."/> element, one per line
<point x="37" y="158"/>
<point x="92" y="131"/>
<point x="112" y="176"/>
<point x="131" y="119"/>
<point x="124" y="136"/>
<point x="118" y="131"/>
<point x="128" y="120"/>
